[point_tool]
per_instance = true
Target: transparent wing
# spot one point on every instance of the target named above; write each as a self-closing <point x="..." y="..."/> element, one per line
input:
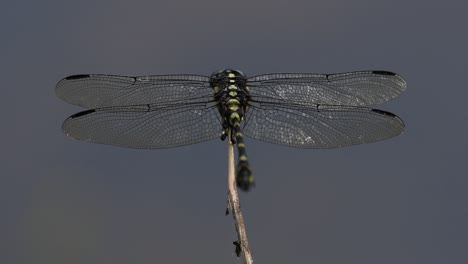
<point x="146" y="126"/>
<point x="98" y="90"/>
<point x="321" y="126"/>
<point x="351" y="88"/>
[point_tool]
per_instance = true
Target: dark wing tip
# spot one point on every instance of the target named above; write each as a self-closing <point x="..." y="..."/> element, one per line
<point x="82" y="113"/>
<point x="64" y="86"/>
<point x="382" y="112"/>
<point x="71" y="78"/>
<point x="387" y="73"/>
<point x="77" y="77"/>
<point x="390" y="115"/>
<point x="396" y="77"/>
<point x="66" y="123"/>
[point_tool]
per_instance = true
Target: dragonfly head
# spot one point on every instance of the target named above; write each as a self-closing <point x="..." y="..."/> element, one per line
<point x="224" y="73"/>
<point x="221" y="77"/>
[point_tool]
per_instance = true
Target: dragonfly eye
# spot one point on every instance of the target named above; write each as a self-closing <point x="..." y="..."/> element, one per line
<point x="238" y="73"/>
<point x="218" y="74"/>
<point x="216" y="77"/>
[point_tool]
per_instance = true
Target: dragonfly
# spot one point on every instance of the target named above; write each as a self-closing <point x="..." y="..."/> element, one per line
<point x="301" y="110"/>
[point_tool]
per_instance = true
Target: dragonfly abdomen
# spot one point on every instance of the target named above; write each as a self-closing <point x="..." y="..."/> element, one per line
<point x="244" y="177"/>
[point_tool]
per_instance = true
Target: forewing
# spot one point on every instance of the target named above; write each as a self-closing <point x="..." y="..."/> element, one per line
<point x="320" y="126"/>
<point x="146" y="126"/>
<point x="98" y="90"/>
<point x="351" y="88"/>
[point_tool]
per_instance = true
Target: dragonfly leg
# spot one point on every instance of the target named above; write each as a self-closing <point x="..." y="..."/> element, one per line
<point x="225" y="131"/>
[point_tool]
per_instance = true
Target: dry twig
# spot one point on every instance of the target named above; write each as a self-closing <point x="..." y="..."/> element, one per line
<point x="242" y="245"/>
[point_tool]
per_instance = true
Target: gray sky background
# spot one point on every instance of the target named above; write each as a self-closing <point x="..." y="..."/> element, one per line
<point x="399" y="201"/>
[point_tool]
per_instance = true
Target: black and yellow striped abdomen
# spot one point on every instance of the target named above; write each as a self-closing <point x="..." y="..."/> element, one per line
<point x="231" y="94"/>
<point x="244" y="177"/>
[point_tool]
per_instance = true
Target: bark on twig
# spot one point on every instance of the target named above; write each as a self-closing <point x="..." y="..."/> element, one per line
<point x="234" y="208"/>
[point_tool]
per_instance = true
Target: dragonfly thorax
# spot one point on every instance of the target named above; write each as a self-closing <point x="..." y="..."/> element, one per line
<point x="231" y="94"/>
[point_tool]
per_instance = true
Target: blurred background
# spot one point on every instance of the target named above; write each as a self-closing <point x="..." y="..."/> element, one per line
<point x="403" y="200"/>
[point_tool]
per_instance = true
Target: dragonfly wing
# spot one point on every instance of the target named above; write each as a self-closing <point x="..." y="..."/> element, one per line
<point x="146" y="126"/>
<point x="351" y="88"/>
<point x="98" y="90"/>
<point x="320" y="126"/>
